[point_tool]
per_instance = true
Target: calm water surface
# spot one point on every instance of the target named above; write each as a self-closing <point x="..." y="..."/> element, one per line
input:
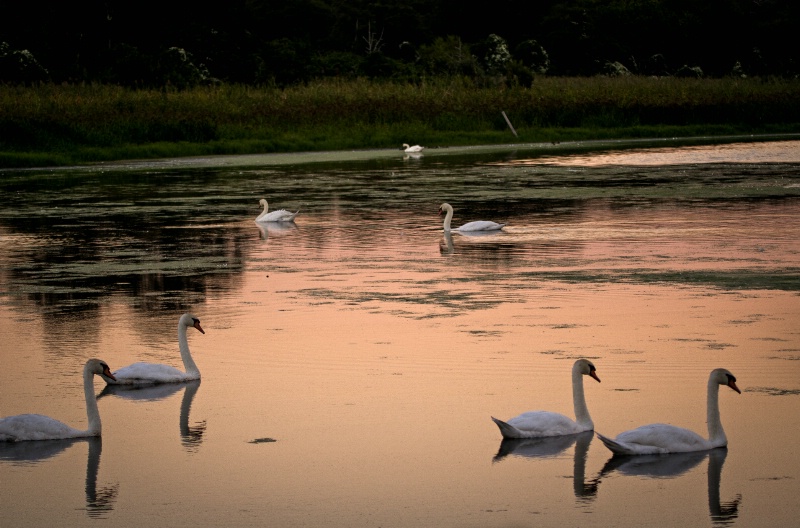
<point x="352" y="361"/>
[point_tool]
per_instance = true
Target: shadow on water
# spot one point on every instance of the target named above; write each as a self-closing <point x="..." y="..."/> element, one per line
<point x="191" y="434"/>
<point x="552" y="446"/>
<point x="673" y="466"/>
<point x="99" y="499"/>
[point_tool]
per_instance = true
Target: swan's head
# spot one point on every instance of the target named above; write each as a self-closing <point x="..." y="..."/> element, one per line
<point x="190" y="320"/>
<point x="724" y="377"/>
<point x="262" y="202"/>
<point x="99" y="367"/>
<point x="405" y="145"/>
<point x="587" y="368"/>
<point x="445" y="208"/>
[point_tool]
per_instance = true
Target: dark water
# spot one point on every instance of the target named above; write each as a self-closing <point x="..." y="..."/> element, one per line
<point x="352" y="360"/>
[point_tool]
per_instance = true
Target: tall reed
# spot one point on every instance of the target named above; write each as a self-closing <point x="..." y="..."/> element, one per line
<point x="87" y="122"/>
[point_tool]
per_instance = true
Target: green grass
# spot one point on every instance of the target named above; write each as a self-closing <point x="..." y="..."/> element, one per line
<point x="66" y="124"/>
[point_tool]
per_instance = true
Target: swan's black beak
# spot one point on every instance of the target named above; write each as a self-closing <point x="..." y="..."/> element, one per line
<point x="593" y="373"/>
<point x="197" y="325"/>
<point x="732" y="384"/>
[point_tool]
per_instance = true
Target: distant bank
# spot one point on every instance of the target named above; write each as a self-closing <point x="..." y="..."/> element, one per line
<point x="49" y="125"/>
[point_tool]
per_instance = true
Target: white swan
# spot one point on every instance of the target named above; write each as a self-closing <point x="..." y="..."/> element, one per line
<point x="39" y="427"/>
<point x="280" y="215"/>
<point x="479" y="225"/>
<point x="663" y="438"/>
<point x="151" y="373"/>
<point x="535" y="424"/>
<point x="412" y="149"/>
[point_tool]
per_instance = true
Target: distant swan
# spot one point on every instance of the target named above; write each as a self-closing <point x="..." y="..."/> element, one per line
<point x="151" y="374"/>
<point x="535" y="424"/>
<point x="663" y="438"/>
<point x="280" y="215"/>
<point x="39" y="427"/>
<point x="412" y="149"/>
<point x="479" y="225"/>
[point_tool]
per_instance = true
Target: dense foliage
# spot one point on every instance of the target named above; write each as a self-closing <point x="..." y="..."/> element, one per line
<point x="262" y="42"/>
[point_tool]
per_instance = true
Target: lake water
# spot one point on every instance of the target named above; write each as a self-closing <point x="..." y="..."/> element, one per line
<point x="352" y="361"/>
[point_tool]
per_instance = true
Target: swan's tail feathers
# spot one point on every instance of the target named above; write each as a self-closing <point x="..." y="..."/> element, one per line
<point x="507" y="430"/>
<point x="614" y="446"/>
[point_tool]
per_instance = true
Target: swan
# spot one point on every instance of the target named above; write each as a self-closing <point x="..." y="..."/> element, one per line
<point x="479" y="225"/>
<point x="280" y="215"/>
<point x="39" y="427"/>
<point x="151" y="374"/>
<point x="412" y="149"/>
<point x="663" y="438"/>
<point x="535" y="424"/>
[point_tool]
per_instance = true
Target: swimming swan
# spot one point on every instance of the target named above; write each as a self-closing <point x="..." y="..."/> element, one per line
<point x="151" y="374"/>
<point x="479" y="225"/>
<point x="38" y="427"/>
<point x="663" y="438"/>
<point x="410" y="149"/>
<point x="535" y="424"/>
<point x="280" y="215"/>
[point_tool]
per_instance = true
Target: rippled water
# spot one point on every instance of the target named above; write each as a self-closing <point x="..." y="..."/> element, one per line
<point x="351" y="361"/>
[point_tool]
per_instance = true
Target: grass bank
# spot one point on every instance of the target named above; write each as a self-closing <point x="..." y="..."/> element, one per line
<point x="67" y="124"/>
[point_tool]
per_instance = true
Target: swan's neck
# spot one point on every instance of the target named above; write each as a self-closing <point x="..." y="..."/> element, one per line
<point x="266" y="208"/>
<point x="579" y="401"/>
<point x="92" y="412"/>
<point x="716" y="434"/>
<point x="186" y="356"/>
<point x="447" y="219"/>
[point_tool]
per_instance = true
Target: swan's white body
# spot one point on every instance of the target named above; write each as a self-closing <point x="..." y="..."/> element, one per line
<point x="535" y="424"/>
<point x="38" y="427"/>
<point x="664" y="438"/>
<point x="152" y="374"/>
<point x="411" y="149"/>
<point x="281" y="215"/>
<point x="478" y="225"/>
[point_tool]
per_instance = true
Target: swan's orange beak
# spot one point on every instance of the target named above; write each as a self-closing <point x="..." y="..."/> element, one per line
<point x="732" y="384"/>
<point x="593" y="374"/>
<point x="197" y="325"/>
<point x="440" y="211"/>
<point x="107" y="372"/>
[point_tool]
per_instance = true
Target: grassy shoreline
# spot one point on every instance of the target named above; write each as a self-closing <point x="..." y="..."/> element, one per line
<point x="51" y="125"/>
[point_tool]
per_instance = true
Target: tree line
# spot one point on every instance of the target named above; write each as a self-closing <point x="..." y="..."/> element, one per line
<point x="178" y="43"/>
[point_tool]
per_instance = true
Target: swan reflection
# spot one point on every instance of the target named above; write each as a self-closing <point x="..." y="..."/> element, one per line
<point x="676" y="464"/>
<point x="191" y="435"/>
<point x="99" y="500"/>
<point x="274" y="228"/>
<point x="446" y="245"/>
<point x="477" y="241"/>
<point x="552" y="446"/>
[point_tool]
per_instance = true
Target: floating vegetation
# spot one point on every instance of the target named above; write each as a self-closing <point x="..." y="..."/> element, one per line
<point x="774" y="391"/>
<point x="262" y="441"/>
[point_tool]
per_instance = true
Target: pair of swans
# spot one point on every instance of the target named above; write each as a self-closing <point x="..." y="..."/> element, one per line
<point x="26" y="427"/>
<point x="280" y="215"/>
<point x="647" y="439"/>
<point x="476" y="226"/>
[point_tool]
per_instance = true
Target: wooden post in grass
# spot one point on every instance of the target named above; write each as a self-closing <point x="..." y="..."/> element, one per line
<point x="508" y="122"/>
